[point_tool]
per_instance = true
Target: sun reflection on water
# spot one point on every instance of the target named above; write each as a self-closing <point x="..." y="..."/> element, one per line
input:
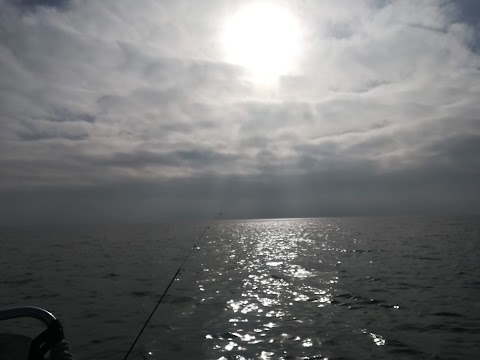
<point x="270" y="288"/>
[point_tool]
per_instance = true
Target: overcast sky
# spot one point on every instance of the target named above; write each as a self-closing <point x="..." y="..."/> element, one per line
<point x="120" y="110"/>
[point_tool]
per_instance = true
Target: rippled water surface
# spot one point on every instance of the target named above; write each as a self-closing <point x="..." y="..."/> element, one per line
<point x="336" y="288"/>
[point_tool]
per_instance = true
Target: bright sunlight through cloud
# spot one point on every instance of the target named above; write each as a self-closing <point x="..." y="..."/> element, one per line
<point x="263" y="38"/>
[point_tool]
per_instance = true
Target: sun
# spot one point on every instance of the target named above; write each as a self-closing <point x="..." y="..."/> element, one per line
<point x="264" y="38"/>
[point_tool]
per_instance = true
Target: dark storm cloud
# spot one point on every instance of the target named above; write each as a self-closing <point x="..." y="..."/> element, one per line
<point x="459" y="153"/>
<point x="60" y="124"/>
<point x="31" y="136"/>
<point x="61" y="115"/>
<point x="355" y="191"/>
<point x="194" y="159"/>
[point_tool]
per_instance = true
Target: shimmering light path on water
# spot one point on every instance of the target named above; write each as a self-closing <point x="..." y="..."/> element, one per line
<point x="337" y="288"/>
<point x="325" y="288"/>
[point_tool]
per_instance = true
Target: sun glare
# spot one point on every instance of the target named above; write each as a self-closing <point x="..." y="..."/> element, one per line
<point x="263" y="38"/>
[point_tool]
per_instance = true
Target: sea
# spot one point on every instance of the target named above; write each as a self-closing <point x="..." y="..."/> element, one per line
<point x="311" y="288"/>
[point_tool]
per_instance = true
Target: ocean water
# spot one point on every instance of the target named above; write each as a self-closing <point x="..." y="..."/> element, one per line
<point x="336" y="288"/>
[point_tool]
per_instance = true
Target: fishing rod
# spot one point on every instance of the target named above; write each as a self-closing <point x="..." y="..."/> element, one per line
<point x="170" y="284"/>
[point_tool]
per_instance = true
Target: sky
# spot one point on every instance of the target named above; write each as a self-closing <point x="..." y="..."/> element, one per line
<point x="133" y="111"/>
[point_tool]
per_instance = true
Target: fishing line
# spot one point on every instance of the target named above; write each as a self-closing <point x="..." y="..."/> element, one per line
<point x="170" y="284"/>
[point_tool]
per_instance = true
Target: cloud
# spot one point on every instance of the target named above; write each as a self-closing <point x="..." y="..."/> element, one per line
<point x="35" y="4"/>
<point x="122" y="94"/>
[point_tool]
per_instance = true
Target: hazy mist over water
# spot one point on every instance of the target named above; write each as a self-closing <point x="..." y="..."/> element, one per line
<point x="337" y="288"/>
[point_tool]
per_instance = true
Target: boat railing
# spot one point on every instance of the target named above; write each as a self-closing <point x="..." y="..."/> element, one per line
<point x="47" y="339"/>
<point x="28" y="311"/>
